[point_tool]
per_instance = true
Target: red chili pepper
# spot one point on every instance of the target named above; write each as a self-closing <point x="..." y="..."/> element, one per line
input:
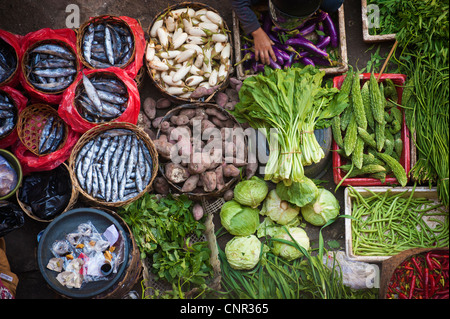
<point x="411" y="289"/>
<point x="425" y="283"/>
<point x="418" y="268"/>
<point x="428" y="260"/>
<point x="432" y="285"/>
<point x="402" y="295"/>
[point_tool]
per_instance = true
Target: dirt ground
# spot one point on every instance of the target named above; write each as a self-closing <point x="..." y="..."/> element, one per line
<point x="24" y="16"/>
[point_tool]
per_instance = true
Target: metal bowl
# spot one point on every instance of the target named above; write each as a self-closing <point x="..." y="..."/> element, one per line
<point x="65" y="224"/>
<point x="15" y="164"/>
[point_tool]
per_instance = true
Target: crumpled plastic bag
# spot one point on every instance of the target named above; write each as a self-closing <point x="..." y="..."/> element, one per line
<point x="21" y="102"/>
<point x="11" y="217"/>
<point x="46" y="193"/>
<point x="355" y="274"/>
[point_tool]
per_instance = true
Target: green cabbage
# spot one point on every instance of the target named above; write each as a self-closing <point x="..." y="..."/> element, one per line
<point x="239" y="220"/>
<point x="251" y="192"/>
<point x="299" y="193"/>
<point x="243" y="252"/>
<point x="288" y="251"/>
<point x="325" y="207"/>
<point x="278" y="210"/>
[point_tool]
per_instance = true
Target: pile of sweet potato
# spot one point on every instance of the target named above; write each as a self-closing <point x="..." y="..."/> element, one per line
<point x="198" y="150"/>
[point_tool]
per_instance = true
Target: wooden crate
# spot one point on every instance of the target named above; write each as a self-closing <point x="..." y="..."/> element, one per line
<point x="343" y="61"/>
<point x="365" y="26"/>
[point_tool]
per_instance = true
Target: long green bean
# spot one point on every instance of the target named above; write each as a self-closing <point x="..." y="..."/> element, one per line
<point x="391" y="223"/>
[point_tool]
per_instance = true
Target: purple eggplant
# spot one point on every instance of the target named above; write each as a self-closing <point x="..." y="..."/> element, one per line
<point x="307" y="29"/>
<point x="282" y="53"/>
<point x="322" y="44"/>
<point x="320" y="28"/>
<point x="320" y="61"/>
<point x="273" y="64"/>
<point x="258" y="67"/>
<point x="307" y="61"/>
<point x="307" y="45"/>
<point x="278" y="55"/>
<point x="290" y="61"/>
<point x="328" y="23"/>
<point x="273" y="37"/>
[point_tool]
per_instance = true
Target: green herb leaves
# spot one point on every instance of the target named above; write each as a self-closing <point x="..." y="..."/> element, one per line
<point x="162" y="230"/>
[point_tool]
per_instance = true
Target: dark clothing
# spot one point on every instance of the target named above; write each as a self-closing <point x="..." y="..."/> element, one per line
<point x="249" y="21"/>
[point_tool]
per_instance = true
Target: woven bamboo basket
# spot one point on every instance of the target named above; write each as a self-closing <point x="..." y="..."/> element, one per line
<point x="92" y="133"/>
<point x="16" y="109"/>
<point x="106" y="75"/>
<point x="198" y="193"/>
<point x="389" y="265"/>
<point x="25" y="60"/>
<point x="70" y="204"/>
<point x="7" y="80"/>
<point x="177" y="99"/>
<point x="111" y="19"/>
<point x="139" y="79"/>
<point x="134" y="270"/>
<point x="31" y="123"/>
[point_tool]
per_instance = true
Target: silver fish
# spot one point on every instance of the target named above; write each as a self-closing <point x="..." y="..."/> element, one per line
<point x="101" y="181"/>
<point x="108" y="187"/>
<point x="87" y="43"/>
<point x="45" y="132"/>
<point x="92" y="92"/>
<point x="89" y="179"/>
<point x="54" y="49"/>
<point x="108" y="46"/>
<point x="94" y="180"/>
<point x="108" y="154"/>
<point x="111" y="97"/>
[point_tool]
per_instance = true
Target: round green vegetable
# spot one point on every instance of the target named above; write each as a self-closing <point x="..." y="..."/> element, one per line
<point x="243" y="252"/>
<point x="325" y="207"/>
<point x="239" y="220"/>
<point x="278" y="210"/>
<point x="287" y="251"/>
<point x="251" y="192"/>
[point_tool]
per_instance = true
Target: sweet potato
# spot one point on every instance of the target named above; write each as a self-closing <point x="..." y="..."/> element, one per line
<point x="228" y="195"/>
<point x="163" y="103"/>
<point x="230" y="106"/>
<point x="179" y="120"/>
<point x="199" y="163"/>
<point x="190" y="184"/>
<point x="149" y="107"/>
<point x="221" y="99"/>
<point x="157" y="122"/>
<point x="250" y="169"/>
<point x="209" y="181"/>
<point x="163" y="147"/>
<point x="176" y="173"/>
<point x="216" y="113"/>
<point x="190" y="113"/>
<point x="161" y="186"/>
<point x="197" y="211"/>
<point x="199" y="92"/>
<point x="233" y="95"/>
<point x="229" y="170"/>
<point x="235" y="82"/>
<point x="220" y="182"/>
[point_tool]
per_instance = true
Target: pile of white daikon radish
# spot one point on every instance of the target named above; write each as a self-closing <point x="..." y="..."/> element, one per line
<point x="189" y="52"/>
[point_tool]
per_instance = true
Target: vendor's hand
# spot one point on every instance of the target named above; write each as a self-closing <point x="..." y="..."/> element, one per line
<point x="263" y="46"/>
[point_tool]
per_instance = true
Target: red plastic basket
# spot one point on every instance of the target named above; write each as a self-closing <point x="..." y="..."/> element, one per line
<point x="338" y="174"/>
